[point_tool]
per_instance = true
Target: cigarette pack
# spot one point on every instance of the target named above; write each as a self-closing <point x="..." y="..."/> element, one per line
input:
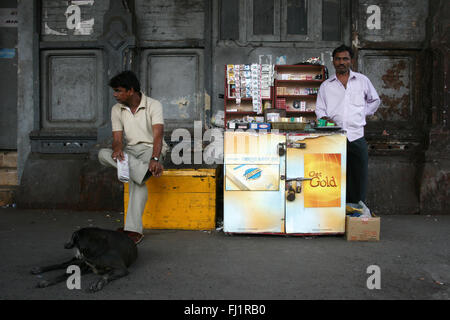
<point x="281" y="104"/>
<point x="260" y="126"/>
<point x="303" y="106"/>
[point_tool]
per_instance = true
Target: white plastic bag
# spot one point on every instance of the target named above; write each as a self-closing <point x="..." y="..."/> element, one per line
<point x="123" y="170"/>
<point x="365" y="211"/>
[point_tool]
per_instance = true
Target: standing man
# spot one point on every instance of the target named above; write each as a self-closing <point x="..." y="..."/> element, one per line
<point x="138" y="130"/>
<point x="346" y="99"/>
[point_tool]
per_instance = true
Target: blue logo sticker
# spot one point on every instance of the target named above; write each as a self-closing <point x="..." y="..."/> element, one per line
<point x="6" y="53"/>
<point x="252" y="173"/>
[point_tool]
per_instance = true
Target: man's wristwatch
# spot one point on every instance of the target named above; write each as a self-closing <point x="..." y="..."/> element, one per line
<point x="154" y="158"/>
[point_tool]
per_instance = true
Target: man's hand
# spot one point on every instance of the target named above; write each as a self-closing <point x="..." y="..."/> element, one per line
<point x="155" y="168"/>
<point x="117" y="146"/>
<point x="117" y="155"/>
<point x="328" y="119"/>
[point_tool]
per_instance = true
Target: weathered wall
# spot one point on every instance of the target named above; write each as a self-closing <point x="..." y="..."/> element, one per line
<point x="391" y="55"/>
<point x="170" y="21"/>
<point x="406" y="59"/>
<point x="78" y="46"/>
<point x="435" y="178"/>
<point x="402" y="22"/>
<point x="8" y="76"/>
<point x="68" y="181"/>
<point x="172" y="57"/>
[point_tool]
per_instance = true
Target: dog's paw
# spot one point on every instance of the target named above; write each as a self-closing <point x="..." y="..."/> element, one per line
<point x="97" y="285"/>
<point x="43" y="284"/>
<point x="36" y="270"/>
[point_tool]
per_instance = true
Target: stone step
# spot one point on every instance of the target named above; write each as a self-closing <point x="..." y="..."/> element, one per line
<point x="7" y="195"/>
<point x="8" y="159"/>
<point x="8" y="177"/>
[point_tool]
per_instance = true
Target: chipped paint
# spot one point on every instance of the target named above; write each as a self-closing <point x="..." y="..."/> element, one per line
<point x="396" y="96"/>
<point x="183" y="105"/>
<point x="207" y="101"/>
<point x="355" y="41"/>
<point x="393" y="76"/>
<point x="394" y="106"/>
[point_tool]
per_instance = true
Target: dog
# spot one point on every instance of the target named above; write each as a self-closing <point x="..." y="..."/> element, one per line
<point x="104" y="252"/>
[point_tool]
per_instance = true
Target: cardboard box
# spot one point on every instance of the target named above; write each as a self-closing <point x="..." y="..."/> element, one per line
<point x="362" y="229"/>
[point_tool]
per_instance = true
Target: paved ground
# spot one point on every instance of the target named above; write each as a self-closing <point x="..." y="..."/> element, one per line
<point x="413" y="257"/>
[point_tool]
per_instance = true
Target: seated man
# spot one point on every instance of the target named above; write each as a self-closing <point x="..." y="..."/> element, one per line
<point x="140" y="118"/>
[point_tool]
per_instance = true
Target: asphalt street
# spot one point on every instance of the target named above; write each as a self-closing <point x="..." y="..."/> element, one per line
<point x="412" y="257"/>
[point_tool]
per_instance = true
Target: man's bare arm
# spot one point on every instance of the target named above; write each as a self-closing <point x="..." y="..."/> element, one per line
<point x="117" y="145"/>
<point x="156" y="167"/>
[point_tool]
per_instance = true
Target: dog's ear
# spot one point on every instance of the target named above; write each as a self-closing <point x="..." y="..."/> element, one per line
<point x="73" y="241"/>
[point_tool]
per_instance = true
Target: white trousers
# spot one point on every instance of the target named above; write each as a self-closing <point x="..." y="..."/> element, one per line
<point x="138" y="160"/>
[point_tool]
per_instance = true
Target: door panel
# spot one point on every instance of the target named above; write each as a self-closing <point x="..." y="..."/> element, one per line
<point x="72" y="94"/>
<point x="247" y="210"/>
<point x="319" y="207"/>
<point x="175" y="78"/>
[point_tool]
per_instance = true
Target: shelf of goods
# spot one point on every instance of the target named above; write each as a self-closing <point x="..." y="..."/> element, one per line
<point x="295" y="91"/>
<point x="296" y="88"/>
<point x="244" y="111"/>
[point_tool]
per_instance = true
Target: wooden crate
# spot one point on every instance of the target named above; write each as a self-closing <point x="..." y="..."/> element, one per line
<point x="180" y="199"/>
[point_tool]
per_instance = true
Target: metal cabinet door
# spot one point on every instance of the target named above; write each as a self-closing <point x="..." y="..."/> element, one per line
<point x="318" y="207"/>
<point x="253" y="189"/>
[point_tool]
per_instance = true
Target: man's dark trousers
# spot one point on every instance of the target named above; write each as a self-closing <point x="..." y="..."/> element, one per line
<point x="357" y="170"/>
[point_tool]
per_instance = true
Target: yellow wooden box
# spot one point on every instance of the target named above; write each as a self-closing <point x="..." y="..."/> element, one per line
<point x="180" y="199"/>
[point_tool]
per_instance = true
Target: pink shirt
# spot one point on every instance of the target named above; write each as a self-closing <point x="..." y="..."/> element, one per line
<point x="349" y="107"/>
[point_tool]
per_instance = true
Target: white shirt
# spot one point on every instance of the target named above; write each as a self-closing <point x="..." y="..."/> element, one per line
<point x="138" y="127"/>
<point x="349" y="107"/>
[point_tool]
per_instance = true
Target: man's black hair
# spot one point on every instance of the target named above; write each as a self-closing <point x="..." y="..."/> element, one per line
<point x="343" y="48"/>
<point x="126" y="79"/>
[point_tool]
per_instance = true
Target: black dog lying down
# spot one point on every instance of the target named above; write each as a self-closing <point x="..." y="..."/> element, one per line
<point x="105" y="252"/>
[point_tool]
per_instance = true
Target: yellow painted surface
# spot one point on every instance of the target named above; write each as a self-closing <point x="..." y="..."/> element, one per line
<point x="180" y="199"/>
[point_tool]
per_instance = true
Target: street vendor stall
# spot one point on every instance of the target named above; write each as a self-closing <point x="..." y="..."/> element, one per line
<point x="291" y="183"/>
<point x="283" y="177"/>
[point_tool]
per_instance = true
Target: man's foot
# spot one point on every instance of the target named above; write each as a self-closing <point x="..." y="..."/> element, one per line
<point x="135" y="236"/>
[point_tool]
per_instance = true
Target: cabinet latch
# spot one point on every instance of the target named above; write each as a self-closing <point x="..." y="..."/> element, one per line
<point x="293" y="186"/>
